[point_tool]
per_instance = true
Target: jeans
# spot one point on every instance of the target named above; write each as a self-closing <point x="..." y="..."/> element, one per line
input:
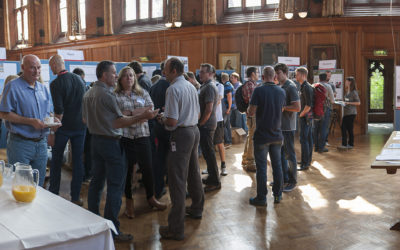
<point x="87" y="159"/>
<point x="321" y="131"/>
<point x="77" y="138"/>
<point x="238" y="120"/>
<point x="347" y="128"/>
<point x="227" y="129"/>
<point x="260" y="153"/>
<point x="207" y="148"/>
<point x="288" y="155"/>
<point x="306" y="141"/>
<point x="28" y="152"/>
<point x="138" y="151"/>
<point x="109" y="165"/>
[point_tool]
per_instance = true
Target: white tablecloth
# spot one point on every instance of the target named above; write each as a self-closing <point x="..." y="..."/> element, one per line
<point x="50" y="222"/>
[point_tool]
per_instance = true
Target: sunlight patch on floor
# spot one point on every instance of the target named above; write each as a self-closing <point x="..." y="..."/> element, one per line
<point x="325" y="172"/>
<point x="359" y="206"/>
<point x="238" y="161"/>
<point x="313" y="197"/>
<point x="241" y="182"/>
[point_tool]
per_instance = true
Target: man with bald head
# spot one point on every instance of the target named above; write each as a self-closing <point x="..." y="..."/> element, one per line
<point x="267" y="104"/>
<point x="67" y="92"/>
<point x="24" y="105"/>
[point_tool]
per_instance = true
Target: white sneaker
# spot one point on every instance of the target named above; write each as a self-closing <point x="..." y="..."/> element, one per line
<point x="349" y="147"/>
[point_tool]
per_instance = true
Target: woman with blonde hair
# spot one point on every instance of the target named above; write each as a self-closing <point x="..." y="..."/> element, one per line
<point x="135" y="139"/>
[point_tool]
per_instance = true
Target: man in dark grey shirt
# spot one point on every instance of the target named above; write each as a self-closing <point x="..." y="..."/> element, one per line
<point x="67" y="92"/>
<point x="292" y="106"/>
<point x="208" y="99"/>
<point x="105" y="120"/>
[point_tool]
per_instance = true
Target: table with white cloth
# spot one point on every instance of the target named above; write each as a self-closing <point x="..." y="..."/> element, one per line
<point x="50" y="222"/>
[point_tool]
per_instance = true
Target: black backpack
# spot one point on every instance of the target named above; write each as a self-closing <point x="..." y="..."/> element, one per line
<point x="240" y="103"/>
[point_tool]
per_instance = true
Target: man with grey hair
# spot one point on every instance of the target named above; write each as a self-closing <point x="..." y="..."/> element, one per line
<point x="180" y="117"/>
<point x="24" y="106"/>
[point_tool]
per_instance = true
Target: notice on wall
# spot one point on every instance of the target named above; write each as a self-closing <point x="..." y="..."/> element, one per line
<point x="337" y="78"/>
<point x="289" y="61"/>
<point x="3" y="55"/>
<point x="45" y="72"/>
<point x="184" y="59"/>
<point x="71" y="55"/>
<point x="397" y="87"/>
<point x="327" y="64"/>
<point x="149" y="70"/>
<point x="90" y="71"/>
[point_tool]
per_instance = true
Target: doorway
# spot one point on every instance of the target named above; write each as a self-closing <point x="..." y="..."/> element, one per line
<point x="380" y="91"/>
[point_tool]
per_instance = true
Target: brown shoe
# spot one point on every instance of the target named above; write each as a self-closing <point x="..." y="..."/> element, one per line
<point x="155" y="203"/>
<point x="129" y="208"/>
<point x="209" y="188"/>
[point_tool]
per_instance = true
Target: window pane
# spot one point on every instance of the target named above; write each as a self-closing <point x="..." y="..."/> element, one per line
<point x="82" y="13"/>
<point x="272" y="2"/>
<point x="63" y="15"/>
<point x="157" y="8"/>
<point x="26" y="35"/>
<point x="253" y="3"/>
<point x="17" y="4"/>
<point x="376" y="90"/>
<point x="24" y="2"/>
<point x="19" y="25"/>
<point x="234" y="3"/>
<point x="130" y="10"/>
<point x="144" y="9"/>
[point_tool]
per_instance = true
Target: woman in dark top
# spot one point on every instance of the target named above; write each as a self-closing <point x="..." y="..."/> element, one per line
<point x="351" y="100"/>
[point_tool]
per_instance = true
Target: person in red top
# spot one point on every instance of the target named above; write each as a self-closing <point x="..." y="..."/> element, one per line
<point x="248" y="162"/>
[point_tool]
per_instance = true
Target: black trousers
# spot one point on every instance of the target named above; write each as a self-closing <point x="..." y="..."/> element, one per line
<point x="138" y="151"/>
<point x="347" y="129"/>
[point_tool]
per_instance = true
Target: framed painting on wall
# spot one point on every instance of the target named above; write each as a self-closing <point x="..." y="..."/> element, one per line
<point x="323" y="52"/>
<point x="271" y="51"/>
<point x="229" y="61"/>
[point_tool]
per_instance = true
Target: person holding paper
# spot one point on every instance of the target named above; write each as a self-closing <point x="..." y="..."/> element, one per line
<point x="351" y="100"/>
<point x="24" y="105"/>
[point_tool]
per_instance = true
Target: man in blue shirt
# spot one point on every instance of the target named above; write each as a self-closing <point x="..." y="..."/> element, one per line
<point x="24" y="106"/>
<point x="267" y="103"/>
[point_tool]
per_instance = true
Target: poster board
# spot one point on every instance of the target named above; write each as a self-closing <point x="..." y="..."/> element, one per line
<point x="337" y="78"/>
<point x="184" y="59"/>
<point x="397" y="97"/>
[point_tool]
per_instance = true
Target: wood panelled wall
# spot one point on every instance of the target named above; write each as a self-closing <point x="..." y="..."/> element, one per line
<point x="356" y="38"/>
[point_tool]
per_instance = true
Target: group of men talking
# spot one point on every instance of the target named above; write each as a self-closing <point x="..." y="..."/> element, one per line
<point x="188" y="115"/>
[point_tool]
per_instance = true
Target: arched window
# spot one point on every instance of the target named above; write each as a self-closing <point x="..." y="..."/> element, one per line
<point x="144" y="10"/>
<point x="82" y="14"/>
<point x="63" y="16"/>
<point x="21" y="10"/>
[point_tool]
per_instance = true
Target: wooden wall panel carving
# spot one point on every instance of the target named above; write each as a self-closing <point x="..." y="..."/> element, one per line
<point x="193" y="49"/>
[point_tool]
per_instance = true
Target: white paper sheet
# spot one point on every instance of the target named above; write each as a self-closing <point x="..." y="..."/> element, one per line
<point x="90" y="71"/>
<point x="8" y="69"/>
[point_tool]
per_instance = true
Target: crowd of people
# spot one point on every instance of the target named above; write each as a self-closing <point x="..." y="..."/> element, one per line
<point x="124" y="120"/>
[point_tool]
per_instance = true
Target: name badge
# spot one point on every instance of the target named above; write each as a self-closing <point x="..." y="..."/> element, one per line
<point x="140" y="101"/>
<point x="173" y="146"/>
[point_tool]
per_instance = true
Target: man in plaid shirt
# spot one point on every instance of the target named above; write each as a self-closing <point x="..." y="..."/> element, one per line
<point x="248" y="162"/>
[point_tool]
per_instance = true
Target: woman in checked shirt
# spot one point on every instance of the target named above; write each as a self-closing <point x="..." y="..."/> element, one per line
<point x="135" y="139"/>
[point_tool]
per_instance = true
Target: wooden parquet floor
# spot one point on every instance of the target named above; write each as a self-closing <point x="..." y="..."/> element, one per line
<point x="340" y="203"/>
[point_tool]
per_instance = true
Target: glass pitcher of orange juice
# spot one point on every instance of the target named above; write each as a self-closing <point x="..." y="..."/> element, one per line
<point x="24" y="184"/>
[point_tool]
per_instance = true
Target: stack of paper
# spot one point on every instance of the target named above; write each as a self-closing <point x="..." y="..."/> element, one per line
<point x="389" y="154"/>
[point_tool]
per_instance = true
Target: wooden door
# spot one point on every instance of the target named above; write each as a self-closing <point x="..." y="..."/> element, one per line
<point x="380" y="91"/>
